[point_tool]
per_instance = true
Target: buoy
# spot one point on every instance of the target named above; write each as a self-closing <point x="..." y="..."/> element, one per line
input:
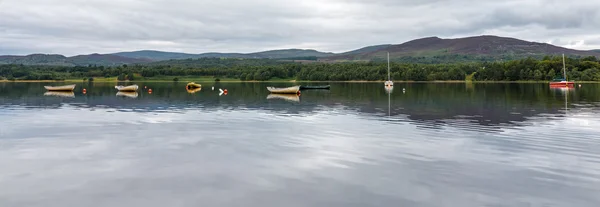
<point x="579" y="85"/>
<point x="84" y="90"/>
<point x="149" y="91"/>
<point x="145" y="86"/>
<point x="213" y="88"/>
<point x="225" y="90"/>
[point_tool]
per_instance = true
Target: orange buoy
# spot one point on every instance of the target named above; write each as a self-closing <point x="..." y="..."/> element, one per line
<point x="225" y="91"/>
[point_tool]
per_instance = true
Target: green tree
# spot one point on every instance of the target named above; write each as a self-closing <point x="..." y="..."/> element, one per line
<point x="551" y="74"/>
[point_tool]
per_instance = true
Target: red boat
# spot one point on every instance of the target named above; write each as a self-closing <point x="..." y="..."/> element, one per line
<point x="562" y="83"/>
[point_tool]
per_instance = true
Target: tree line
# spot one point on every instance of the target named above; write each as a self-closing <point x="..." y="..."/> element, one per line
<point x="548" y="68"/>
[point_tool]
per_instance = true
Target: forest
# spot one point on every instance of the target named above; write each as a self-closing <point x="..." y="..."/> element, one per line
<point x="528" y="69"/>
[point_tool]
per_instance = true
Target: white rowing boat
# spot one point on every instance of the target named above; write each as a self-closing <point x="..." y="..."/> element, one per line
<point x="293" y="89"/>
<point x="128" y="94"/>
<point x="60" y="88"/>
<point x="127" y="88"/>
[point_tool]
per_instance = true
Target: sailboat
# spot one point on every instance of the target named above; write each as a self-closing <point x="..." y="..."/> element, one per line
<point x="559" y="83"/>
<point x="389" y="82"/>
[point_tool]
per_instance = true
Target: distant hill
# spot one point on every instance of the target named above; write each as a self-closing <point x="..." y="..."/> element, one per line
<point x="82" y="60"/>
<point x="469" y="48"/>
<point x="366" y="49"/>
<point x="271" y="54"/>
<point x="154" y="55"/>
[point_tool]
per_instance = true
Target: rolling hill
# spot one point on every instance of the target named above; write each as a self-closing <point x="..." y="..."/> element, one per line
<point x="60" y="60"/>
<point x="271" y="54"/>
<point x="470" y="48"/>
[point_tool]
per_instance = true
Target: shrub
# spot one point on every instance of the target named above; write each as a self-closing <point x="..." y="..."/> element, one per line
<point x="175" y="79"/>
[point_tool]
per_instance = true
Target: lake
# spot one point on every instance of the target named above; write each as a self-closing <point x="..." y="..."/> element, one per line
<point x="432" y="144"/>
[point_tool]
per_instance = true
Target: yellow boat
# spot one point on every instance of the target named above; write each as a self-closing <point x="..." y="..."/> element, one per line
<point x="292" y="90"/>
<point x="60" y="88"/>
<point x="192" y="85"/>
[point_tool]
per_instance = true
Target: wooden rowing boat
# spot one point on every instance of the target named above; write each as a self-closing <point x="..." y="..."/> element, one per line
<point x="60" y="88"/>
<point x="127" y="88"/>
<point x="192" y="85"/>
<point x="292" y="90"/>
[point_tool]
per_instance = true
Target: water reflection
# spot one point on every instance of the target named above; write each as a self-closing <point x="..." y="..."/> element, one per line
<point x="355" y="145"/>
<point x="128" y="94"/>
<point x="287" y="97"/>
<point x="68" y="94"/>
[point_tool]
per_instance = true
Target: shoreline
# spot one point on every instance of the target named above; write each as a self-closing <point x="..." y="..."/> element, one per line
<point x="273" y="81"/>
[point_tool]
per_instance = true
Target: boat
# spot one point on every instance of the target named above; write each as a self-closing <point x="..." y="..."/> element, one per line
<point x="314" y="87"/>
<point x="562" y="82"/>
<point x="60" y="88"/>
<point x="192" y="85"/>
<point x="67" y="94"/>
<point x="389" y="82"/>
<point x="128" y="94"/>
<point x="290" y="90"/>
<point x="127" y="88"/>
<point x="287" y="97"/>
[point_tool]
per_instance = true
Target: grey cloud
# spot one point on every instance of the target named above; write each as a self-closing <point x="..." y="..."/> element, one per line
<point x="73" y="27"/>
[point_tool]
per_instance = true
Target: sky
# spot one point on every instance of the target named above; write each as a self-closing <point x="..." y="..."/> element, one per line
<point x="72" y="27"/>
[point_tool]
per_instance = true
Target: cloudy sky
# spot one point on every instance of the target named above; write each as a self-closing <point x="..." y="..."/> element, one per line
<point x="72" y="27"/>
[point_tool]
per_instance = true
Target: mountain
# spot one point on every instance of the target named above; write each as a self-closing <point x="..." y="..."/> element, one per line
<point x="470" y="48"/>
<point x="271" y="54"/>
<point x="154" y="55"/>
<point x="366" y="49"/>
<point x="81" y="60"/>
<point x="34" y="59"/>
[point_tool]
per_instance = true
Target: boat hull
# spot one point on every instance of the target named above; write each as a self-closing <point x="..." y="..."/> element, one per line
<point x="127" y="88"/>
<point x="562" y="84"/>
<point x="315" y="87"/>
<point x="288" y="90"/>
<point x="60" y="88"/>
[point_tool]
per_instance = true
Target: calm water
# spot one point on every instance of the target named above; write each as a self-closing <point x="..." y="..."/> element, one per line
<point x="354" y="145"/>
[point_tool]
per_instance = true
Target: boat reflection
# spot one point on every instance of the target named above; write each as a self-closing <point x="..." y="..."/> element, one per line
<point x="287" y="97"/>
<point x="68" y="94"/>
<point x="193" y="90"/>
<point x="127" y="94"/>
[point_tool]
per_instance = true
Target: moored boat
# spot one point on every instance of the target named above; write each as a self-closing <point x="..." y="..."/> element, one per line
<point x="60" y="88"/>
<point x="127" y="88"/>
<point x="192" y="85"/>
<point x="556" y="83"/>
<point x="292" y="90"/>
<point x="389" y="82"/>
<point x="314" y="87"/>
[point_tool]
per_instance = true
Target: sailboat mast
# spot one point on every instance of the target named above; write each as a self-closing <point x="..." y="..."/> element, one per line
<point x="388" y="59"/>
<point x="564" y="67"/>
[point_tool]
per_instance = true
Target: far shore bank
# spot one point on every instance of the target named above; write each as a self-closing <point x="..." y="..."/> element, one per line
<point x="269" y="81"/>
